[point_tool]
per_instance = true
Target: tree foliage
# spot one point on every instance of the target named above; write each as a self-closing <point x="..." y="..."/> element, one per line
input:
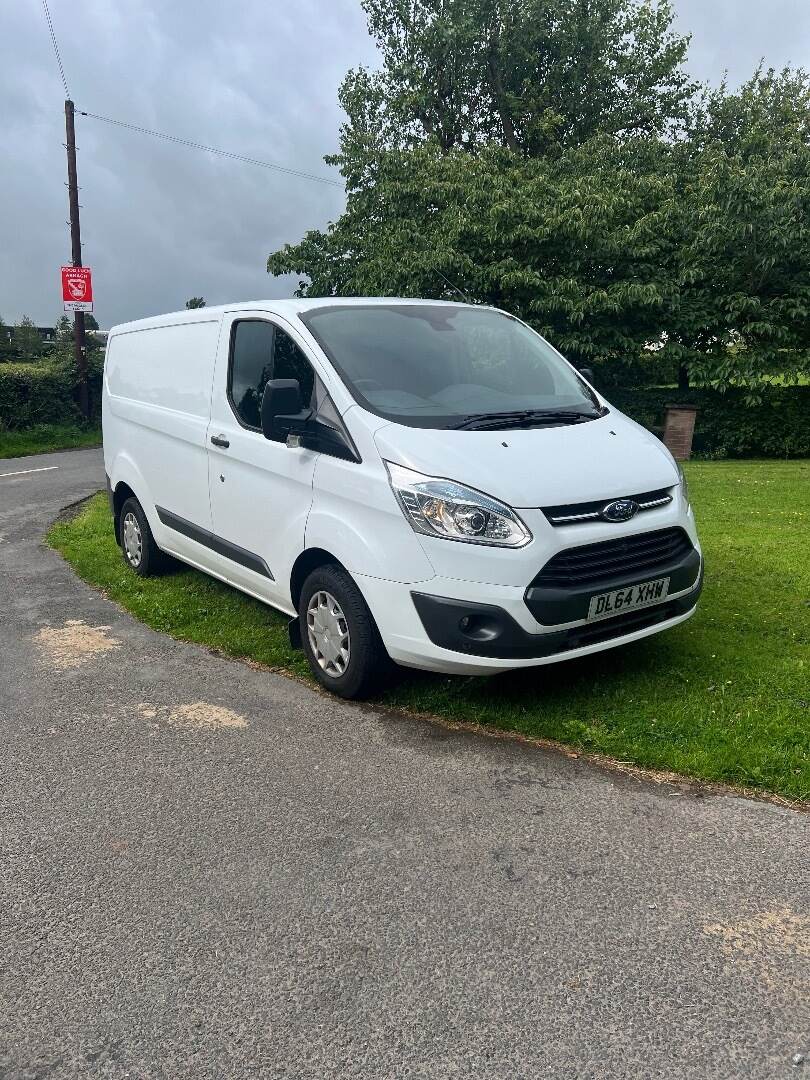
<point x="575" y="244"/>
<point x="27" y="340"/>
<point x="551" y="157"/>
<point x="743" y="252"/>
<point x="530" y="75"/>
<point x="65" y="327"/>
<point x="195" y="302"/>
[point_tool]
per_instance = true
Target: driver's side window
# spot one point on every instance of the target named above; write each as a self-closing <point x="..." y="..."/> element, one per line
<point x="261" y="351"/>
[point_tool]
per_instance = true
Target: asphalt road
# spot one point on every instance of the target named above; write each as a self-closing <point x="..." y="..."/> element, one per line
<point x="210" y="871"/>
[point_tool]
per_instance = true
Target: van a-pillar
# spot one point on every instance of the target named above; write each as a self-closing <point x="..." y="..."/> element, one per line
<point x="79" y="342"/>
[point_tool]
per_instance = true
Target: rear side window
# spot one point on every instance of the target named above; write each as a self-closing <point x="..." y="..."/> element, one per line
<point x="261" y="351"/>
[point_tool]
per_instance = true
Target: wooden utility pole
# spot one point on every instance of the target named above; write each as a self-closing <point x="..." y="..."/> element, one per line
<point x="79" y="341"/>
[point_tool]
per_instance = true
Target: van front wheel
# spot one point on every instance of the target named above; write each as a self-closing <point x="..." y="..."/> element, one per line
<point x="339" y="636"/>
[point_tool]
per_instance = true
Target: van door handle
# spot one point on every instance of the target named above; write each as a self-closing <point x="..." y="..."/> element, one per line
<point x="220" y="440"/>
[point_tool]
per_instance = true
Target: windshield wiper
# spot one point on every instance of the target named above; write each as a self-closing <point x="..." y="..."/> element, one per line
<point x="524" y="418"/>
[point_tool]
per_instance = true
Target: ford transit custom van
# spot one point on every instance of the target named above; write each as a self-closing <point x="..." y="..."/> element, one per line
<point x="422" y="482"/>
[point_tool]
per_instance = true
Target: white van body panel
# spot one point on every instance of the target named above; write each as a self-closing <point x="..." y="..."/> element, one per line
<point x="537" y="466"/>
<point x="356" y="518"/>
<point x="157" y="389"/>
<point x="248" y="511"/>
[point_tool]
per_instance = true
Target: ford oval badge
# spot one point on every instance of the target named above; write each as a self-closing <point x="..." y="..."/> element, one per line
<point x="620" y="510"/>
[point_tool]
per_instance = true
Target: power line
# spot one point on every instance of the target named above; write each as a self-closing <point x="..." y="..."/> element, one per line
<point x="212" y="149"/>
<point x="55" y="47"/>
<point x="175" y="138"/>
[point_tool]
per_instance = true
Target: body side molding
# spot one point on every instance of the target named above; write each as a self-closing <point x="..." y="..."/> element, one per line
<point x="216" y="543"/>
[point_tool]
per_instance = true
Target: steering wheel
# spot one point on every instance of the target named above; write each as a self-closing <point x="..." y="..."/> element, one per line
<point x="368" y="384"/>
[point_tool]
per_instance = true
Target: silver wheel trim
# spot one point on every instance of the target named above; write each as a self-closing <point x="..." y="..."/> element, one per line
<point x="328" y="634"/>
<point x="132" y="539"/>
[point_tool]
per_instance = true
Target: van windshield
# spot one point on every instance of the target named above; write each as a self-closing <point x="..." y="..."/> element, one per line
<point x="444" y="366"/>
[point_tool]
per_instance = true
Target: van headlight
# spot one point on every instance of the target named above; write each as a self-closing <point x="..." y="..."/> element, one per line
<point x="444" y="508"/>
<point x="684" y="487"/>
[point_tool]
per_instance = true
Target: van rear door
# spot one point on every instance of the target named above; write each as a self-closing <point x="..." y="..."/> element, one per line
<point x="261" y="491"/>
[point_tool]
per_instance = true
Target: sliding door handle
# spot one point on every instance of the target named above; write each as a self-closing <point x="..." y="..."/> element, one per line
<point x="220" y="440"/>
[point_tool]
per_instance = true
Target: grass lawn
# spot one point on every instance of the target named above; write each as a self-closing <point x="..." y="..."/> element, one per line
<point x="44" y="438"/>
<point x="725" y="696"/>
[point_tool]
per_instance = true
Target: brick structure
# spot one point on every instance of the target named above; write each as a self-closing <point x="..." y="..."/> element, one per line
<point x="679" y="427"/>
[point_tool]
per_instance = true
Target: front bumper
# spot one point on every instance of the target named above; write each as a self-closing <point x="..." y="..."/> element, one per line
<point x="527" y="643"/>
<point x="511" y="626"/>
<point x="485" y="630"/>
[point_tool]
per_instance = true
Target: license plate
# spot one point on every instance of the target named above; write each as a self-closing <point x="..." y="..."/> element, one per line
<point x="634" y="596"/>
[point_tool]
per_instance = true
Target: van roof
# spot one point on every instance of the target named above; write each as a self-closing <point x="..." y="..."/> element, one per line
<point x="284" y="308"/>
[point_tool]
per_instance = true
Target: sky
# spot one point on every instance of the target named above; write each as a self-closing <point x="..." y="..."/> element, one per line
<point x="161" y="223"/>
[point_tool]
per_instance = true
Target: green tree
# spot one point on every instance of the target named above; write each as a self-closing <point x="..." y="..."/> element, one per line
<point x="530" y="75"/>
<point x="743" y="251"/>
<point x="195" y="302"/>
<point x="679" y="242"/>
<point x="27" y="340"/>
<point x="65" y="326"/>
<point x="63" y="357"/>
<point x="578" y="244"/>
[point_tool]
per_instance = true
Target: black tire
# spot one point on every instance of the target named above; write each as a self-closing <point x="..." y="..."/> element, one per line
<point x="138" y="546"/>
<point x="368" y="666"/>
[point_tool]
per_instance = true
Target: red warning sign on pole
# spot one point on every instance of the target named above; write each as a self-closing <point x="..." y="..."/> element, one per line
<point x="77" y="288"/>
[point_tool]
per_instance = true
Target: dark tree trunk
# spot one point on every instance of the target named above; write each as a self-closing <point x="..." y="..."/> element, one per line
<point x="496" y="85"/>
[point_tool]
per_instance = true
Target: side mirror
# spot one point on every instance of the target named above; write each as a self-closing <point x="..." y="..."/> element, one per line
<point x="282" y="411"/>
<point x="587" y="373"/>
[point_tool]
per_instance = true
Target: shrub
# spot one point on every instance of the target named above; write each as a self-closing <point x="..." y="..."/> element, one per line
<point x="647" y="368"/>
<point x="45" y="392"/>
<point x="726" y="424"/>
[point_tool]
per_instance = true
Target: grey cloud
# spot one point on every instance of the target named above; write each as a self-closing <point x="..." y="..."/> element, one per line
<point x="734" y="35"/>
<point x="161" y="222"/>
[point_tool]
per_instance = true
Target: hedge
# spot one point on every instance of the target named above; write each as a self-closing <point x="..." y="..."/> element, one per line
<point x="44" y="393"/>
<point x="726" y="426"/>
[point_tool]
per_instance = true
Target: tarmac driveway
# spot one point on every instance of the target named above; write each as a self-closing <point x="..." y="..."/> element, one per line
<point x="210" y="871"/>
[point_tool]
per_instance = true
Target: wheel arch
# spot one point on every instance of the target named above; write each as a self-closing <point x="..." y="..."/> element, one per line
<point x="126" y="481"/>
<point x="120" y="495"/>
<point x="310" y="559"/>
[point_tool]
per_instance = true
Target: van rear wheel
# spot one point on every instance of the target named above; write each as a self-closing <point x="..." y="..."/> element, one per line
<point x="339" y="635"/>
<point x="138" y="546"/>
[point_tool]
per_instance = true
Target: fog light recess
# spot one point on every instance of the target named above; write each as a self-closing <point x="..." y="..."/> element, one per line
<point x="480" y="627"/>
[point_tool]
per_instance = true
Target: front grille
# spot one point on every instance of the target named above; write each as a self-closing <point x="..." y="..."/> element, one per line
<point x="575" y="513"/>
<point x="628" y="556"/>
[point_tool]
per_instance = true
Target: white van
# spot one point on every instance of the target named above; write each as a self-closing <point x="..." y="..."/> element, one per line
<point x="418" y="481"/>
